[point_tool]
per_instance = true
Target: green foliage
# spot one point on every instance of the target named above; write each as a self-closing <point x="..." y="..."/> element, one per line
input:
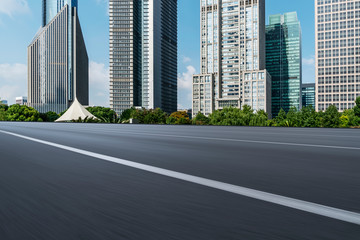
<point x="344" y="121"/>
<point x="280" y="120"/>
<point x="49" y="116"/>
<point x="86" y="120"/>
<point x="201" y="119"/>
<point x="127" y="115"/>
<point x="178" y="118"/>
<point x="227" y="117"/>
<point x="357" y="108"/>
<point x="307" y="117"/>
<point x="260" y="119"/>
<point x="236" y="117"/>
<point x="331" y="117"/>
<point x="105" y="114"/>
<point x="151" y="116"/>
<point x="2" y="114"/>
<point x="22" y="113"/>
<point x="354" y="121"/>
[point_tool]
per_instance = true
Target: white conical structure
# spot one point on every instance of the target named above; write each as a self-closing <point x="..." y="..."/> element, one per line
<point x="75" y="112"/>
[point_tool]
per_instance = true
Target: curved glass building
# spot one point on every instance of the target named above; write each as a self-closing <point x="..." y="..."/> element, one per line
<point x="58" y="60"/>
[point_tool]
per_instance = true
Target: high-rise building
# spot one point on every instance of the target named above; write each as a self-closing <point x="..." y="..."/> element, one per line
<point x="232" y="57"/>
<point x="57" y="59"/>
<point x="283" y="61"/>
<point x="308" y="95"/>
<point x="337" y="31"/>
<point x="143" y="54"/>
<point x="21" y="100"/>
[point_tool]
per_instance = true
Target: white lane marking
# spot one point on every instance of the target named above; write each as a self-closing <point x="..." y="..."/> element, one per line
<point x="314" y="208"/>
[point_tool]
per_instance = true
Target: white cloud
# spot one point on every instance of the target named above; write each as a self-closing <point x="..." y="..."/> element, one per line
<point x="309" y="61"/>
<point x="99" y="84"/>
<point x="186" y="59"/>
<point x="13" y="81"/>
<point x="185" y="79"/>
<point x="12" y="7"/>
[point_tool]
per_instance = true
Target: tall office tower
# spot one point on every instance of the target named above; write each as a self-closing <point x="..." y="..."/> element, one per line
<point x="283" y="61"/>
<point x="143" y="54"/>
<point x="337" y="31"/>
<point x="232" y="57"/>
<point x="57" y="59"/>
<point x="308" y="95"/>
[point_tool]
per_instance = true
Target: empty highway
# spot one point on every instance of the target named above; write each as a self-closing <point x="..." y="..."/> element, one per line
<point x="102" y="181"/>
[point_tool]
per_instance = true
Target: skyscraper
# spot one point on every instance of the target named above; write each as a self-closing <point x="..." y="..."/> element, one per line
<point x="232" y="57"/>
<point x="308" y="95"/>
<point x="143" y="54"/>
<point x="337" y="31"/>
<point x="57" y="59"/>
<point x="283" y="61"/>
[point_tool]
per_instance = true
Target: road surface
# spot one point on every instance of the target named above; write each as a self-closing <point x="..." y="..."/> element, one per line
<point x="100" y="181"/>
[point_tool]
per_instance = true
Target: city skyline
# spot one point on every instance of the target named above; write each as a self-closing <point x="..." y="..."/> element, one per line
<point x="95" y="26"/>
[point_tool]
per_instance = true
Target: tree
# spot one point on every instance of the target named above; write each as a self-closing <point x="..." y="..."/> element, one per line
<point x="127" y="115"/>
<point x="105" y="114"/>
<point x="2" y="114"/>
<point x="281" y="118"/>
<point x="49" y="116"/>
<point x="292" y="118"/>
<point x="353" y="120"/>
<point x="260" y="119"/>
<point x="332" y="117"/>
<point x="232" y="116"/>
<point x="357" y="107"/>
<point x="201" y="119"/>
<point x="179" y="118"/>
<point x="307" y="117"/>
<point x="23" y="113"/>
<point x="344" y="121"/>
<point x="151" y="116"/>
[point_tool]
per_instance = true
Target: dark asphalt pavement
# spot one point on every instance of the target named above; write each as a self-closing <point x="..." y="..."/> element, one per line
<point x="49" y="193"/>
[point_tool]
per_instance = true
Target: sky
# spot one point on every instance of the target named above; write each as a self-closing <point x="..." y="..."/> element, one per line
<point x="21" y="19"/>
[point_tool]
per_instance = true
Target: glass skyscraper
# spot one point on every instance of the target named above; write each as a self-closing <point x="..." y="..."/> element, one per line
<point x="308" y="95"/>
<point x="57" y="59"/>
<point x="284" y="61"/>
<point x="143" y="54"/>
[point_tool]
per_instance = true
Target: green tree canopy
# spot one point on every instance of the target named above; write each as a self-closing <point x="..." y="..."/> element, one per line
<point x="49" y="116"/>
<point x="151" y="116"/>
<point x="23" y="113"/>
<point x="103" y="113"/>
<point x="201" y="119"/>
<point x="232" y="116"/>
<point x="179" y="118"/>
<point x="331" y="117"/>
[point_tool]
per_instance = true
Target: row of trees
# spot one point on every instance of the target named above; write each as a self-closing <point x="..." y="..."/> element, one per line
<point x="306" y="117"/>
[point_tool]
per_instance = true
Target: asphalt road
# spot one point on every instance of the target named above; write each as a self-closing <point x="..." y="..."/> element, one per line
<point x="48" y="192"/>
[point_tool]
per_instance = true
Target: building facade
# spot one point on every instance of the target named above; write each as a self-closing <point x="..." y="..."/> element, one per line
<point x="337" y="31"/>
<point x="58" y="66"/>
<point x="308" y="95"/>
<point x="21" y="100"/>
<point x="284" y="61"/>
<point x="232" y="57"/>
<point x="143" y="54"/>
